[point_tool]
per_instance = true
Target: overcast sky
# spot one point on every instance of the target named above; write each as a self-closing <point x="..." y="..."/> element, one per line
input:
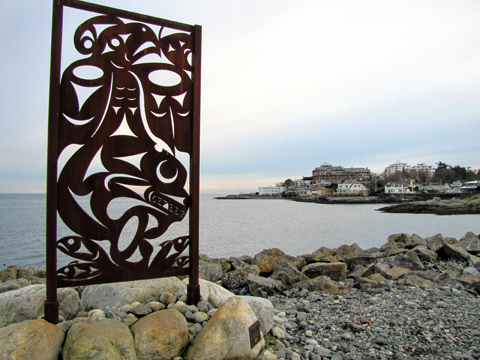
<point x="286" y="86"/>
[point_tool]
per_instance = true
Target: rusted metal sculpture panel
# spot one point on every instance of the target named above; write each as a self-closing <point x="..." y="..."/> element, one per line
<point x="121" y="117"/>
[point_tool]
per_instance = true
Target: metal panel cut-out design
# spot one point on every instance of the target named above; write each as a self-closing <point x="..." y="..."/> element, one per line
<point x="127" y="118"/>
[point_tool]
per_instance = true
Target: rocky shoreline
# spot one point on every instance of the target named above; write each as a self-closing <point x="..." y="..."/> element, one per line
<point x="403" y="203"/>
<point x="437" y="207"/>
<point x="410" y="298"/>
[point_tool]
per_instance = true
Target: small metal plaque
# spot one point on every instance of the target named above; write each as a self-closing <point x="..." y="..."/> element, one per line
<point x="255" y="335"/>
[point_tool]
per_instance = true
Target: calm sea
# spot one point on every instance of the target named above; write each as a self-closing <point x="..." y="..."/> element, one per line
<point x="242" y="227"/>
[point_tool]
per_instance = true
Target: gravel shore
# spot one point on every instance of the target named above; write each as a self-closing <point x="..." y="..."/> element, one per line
<point x="392" y="323"/>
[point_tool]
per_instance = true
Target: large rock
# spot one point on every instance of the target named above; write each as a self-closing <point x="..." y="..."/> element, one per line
<point x="430" y="275"/>
<point x="399" y="238"/>
<point x="382" y="269"/>
<point x="31" y="340"/>
<point x="36" y="274"/>
<point x="346" y="252"/>
<point x="32" y="272"/>
<point x="425" y="254"/>
<point x="414" y="241"/>
<point x="102" y="339"/>
<point x="322" y="284"/>
<point x="263" y="310"/>
<point x="470" y="242"/>
<point x="435" y="242"/>
<point x="118" y="294"/>
<point x="392" y="250"/>
<point x="414" y="280"/>
<point x="366" y="284"/>
<point x="237" y="263"/>
<point x="270" y="259"/>
<point x="238" y="278"/>
<point x="226" y="335"/>
<point x="405" y="261"/>
<point x="28" y="304"/>
<point x="455" y="252"/>
<point x="322" y="254"/>
<point x="467" y="280"/>
<point x="212" y="270"/>
<point x="363" y="260"/>
<point x="263" y="287"/>
<point x="335" y="271"/>
<point x="161" y="335"/>
<point x="13" y="284"/>
<point x="288" y="275"/>
<point x="207" y="288"/>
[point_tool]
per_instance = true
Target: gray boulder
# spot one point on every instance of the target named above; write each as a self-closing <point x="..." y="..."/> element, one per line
<point x="414" y="241"/>
<point x="263" y="287"/>
<point x="471" y="271"/>
<point x="28" y="304"/>
<point x="238" y="278"/>
<point x="322" y="284"/>
<point x="414" y="280"/>
<point x="208" y="288"/>
<point x="430" y="275"/>
<point x="288" y="275"/>
<point x="369" y="284"/>
<point x="346" y="252"/>
<point x="212" y="270"/>
<point x="335" y="271"/>
<point x="382" y="269"/>
<point x="405" y="261"/>
<point x="263" y="310"/>
<point x="363" y="260"/>
<point x="455" y="252"/>
<point x="237" y="263"/>
<point x="435" y="242"/>
<point x="118" y="294"/>
<point x="470" y="242"/>
<point x="13" y="284"/>
<point x="425" y="254"/>
<point x="399" y="238"/>
<point x="468" y="280"/>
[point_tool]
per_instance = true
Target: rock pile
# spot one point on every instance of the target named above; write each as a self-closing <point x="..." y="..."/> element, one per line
<point x="403" y="260"/>
<point x="412" y="297"/>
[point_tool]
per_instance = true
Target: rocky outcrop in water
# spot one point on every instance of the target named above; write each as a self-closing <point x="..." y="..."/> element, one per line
<point x="438" y="207"/>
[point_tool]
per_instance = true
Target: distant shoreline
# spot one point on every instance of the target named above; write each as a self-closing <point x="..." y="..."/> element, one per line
<point x="412" y="204"/>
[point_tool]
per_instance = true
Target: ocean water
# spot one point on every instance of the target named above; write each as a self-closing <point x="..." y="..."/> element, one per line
<point x="241" y="227"/>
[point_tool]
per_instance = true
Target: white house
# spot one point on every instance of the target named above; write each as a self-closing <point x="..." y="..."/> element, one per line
<point x="455" y="186"/>
<point x="352" y="187"/>
<point x="443" y="188"/>
<point x="271" y="190"/>
<point x="470" y="185"/>
<point x="393" y="188"/>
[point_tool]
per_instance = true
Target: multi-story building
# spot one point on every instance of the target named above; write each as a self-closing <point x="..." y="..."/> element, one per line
<point x="271" y="190"/>
<point x="328" y="173"/>
<point x="398" y="166"/>
<point x="422" y="170"/>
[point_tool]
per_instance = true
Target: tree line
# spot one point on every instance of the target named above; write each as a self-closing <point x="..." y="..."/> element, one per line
<point x="447" y="174"/>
